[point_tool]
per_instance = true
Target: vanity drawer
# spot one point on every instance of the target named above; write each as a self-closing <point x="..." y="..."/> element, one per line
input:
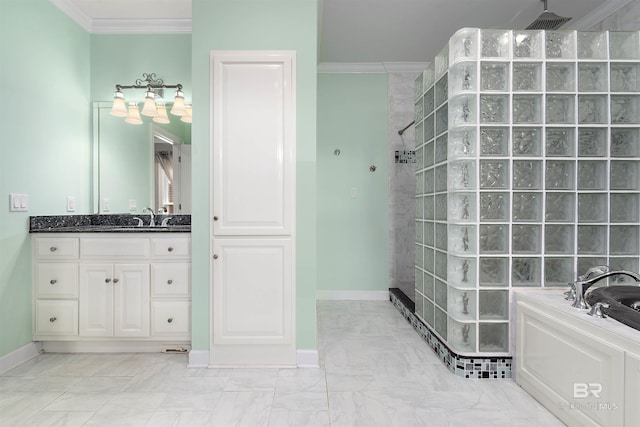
<point x="114" y="248"/>
<point x="56" y="317"/>
<point x="171" y="280"/>
<point x="171" y="247"/>
<point x="56" y="248"/>
<point x="171" y="318"/>
<point x="56" y="280"/>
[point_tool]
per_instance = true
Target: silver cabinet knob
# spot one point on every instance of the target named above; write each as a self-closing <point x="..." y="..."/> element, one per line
<point x="215" y="256"/>
<point x="53" y="249"/>
<point x="116" y="280"/>
<point x="107" y="280"/>
<point x="170" y="249"/>
<point x="53" y="319"/>
<point x="53" y="281"/>
<point x="170" y="319"/>
<point x="169" y="282"/>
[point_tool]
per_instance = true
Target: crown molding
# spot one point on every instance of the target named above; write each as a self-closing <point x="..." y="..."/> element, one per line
<point x="371" y="67"/>
<point x="140" y="26"/>
<point x="122" y="26"/>
<point x="598" y="14"/>
<point x="73" y="12"/>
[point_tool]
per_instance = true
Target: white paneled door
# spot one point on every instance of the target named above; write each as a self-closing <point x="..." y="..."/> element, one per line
<point x="253" y="143"/>
<point x="253" y="208"/>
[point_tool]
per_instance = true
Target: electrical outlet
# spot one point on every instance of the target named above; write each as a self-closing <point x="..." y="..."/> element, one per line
<point x="71" y="204"/>
<point x="133" y="204"/>
<point x="354" y="192"/>
<point x="105" y="204"/>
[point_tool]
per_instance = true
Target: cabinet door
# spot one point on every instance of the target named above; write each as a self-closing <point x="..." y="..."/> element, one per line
<point x="131" y="306"/>
<point x="253" y="153"/>
<point x="252" y="302"/>
<point x="96" y="300"/>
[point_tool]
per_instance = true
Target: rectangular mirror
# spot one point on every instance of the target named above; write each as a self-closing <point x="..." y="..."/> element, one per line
<point x="138" y="166"/>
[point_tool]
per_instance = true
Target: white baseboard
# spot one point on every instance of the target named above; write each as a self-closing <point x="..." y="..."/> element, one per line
<point x="19" y="356"/>
<point x="307" y="358"/>
<point x="353" y="295"/>
<point x="198" y="359"/>
<point x="110" y="346"/>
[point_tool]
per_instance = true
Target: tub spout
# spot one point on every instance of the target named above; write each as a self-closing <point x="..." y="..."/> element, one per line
<point x="581" y="286"/>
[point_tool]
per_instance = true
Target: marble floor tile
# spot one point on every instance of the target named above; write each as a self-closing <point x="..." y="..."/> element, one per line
<point x="375" y="371"/>
<point x="181" y="419"/>
<point x="251" y="380"/>
<point x="243" y="408"/>
<point x="285" y="418"/>
<point x="58" y="419"/>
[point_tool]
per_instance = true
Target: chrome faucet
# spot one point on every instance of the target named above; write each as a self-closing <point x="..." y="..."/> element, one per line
<point x="152" y="220"/>
<point x="581" y="286"/>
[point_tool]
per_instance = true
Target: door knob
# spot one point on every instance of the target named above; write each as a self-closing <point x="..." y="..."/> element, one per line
<point x="107" y="280"/>
<point x="215" y="256"/>
<point x="116" y="280"/>
<point x="52" y="319"/>
<point x="215" y="218"/>
<point x="53" y="281"/>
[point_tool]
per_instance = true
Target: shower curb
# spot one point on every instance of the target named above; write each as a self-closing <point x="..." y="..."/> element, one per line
<point x="462" y="366"/>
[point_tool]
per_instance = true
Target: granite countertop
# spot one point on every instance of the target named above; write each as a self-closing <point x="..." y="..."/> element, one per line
<point x="117" y="223"/>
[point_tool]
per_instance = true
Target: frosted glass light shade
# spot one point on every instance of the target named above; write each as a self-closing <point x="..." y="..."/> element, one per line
<point x="134" y="114"/>
<point x="187" y="116"/>
<point x="162" y="114"/>
<point x="149" y="108"/>
<point x="119" y="108"/>
<point x="178" y="104"/>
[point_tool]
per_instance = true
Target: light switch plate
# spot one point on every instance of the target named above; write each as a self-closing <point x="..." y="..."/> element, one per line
<point x="18" y="202"/>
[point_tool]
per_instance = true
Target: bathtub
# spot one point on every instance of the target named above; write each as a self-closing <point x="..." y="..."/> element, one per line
<point x="583" y="369"/>
<point x="623" y="301"/>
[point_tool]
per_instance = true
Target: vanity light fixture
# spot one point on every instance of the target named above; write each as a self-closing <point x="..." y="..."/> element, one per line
<point x="153" y="103"/>
<point x="162" y="113"/>
<point x="119" y="108"/>
<point x="149" y="108"/>
<point x="178" y="104"/>
<point x="187" y="116"/>
<point x="134" y="115"/>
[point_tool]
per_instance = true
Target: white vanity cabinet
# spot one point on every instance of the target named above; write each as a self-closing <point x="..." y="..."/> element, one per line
<point x="112" y="287"/>
<point x="55" y="287"/>
<point x="114" y="300"/>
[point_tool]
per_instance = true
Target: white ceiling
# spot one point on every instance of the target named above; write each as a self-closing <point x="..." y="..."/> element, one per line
<point x="355" y="31"/>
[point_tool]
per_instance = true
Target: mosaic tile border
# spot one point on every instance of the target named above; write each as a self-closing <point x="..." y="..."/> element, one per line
<point x="466" y="367"/>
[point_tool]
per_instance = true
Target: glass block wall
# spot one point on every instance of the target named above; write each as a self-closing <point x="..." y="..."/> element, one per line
<point x="528" y="172"/>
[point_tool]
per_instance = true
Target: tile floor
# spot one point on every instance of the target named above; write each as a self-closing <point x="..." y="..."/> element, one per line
<point x="375" y="372"/>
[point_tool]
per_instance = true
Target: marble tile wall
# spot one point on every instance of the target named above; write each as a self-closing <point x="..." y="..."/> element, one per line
<point x="401" y="182"/>
<point x="626" y="18"/>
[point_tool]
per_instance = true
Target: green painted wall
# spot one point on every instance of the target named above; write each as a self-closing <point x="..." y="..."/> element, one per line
<point x="44" y="148"/>
<point x="256" y="25"/>
<point x="352" y="231"/>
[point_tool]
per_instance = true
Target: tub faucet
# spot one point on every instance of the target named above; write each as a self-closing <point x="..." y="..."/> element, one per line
<point x="581" y="286"/>
<point x="152" y="220"/>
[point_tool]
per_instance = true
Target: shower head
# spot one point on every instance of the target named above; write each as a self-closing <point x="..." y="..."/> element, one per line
<point x="548" y="20"/>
